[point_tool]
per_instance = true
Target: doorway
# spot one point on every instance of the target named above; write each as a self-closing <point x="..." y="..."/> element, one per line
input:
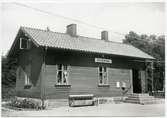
<point x="136" y="81"/>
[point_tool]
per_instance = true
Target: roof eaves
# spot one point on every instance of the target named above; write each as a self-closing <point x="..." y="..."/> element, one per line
<point x="149" y="57"/>
<point x="14" y="43"/>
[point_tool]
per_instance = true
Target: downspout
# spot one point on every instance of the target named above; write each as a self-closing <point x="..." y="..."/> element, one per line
<point x="152" y="68"/>
<point x="43" y="77"/>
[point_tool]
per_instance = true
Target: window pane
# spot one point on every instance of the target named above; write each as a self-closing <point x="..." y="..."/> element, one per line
<point x="60" y="67"/>
<point x="65" y="77"/>
<point x="59" y="77"/>
<point x="65" y="67"/>
<point x="105" y="78"/>
<point x="100" y="69"/>
<point x="100" y="78"/>
<point x="24" y="43"/>
<point x="105" y="69"/>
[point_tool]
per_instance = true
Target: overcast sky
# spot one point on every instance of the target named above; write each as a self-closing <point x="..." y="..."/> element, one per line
<point x="143" y="18"/>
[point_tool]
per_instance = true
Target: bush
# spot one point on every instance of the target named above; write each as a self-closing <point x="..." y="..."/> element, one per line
<point x="8" y="92"/>
<point x="25" y="103"/>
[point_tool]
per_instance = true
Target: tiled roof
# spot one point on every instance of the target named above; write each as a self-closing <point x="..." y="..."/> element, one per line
<point x="80" y="43"/>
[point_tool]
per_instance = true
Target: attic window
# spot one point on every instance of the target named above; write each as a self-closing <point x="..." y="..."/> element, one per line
<point x="24" y="43"/>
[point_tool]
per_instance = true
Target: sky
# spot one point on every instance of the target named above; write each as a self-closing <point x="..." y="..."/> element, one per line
<point x="117" y="18"/>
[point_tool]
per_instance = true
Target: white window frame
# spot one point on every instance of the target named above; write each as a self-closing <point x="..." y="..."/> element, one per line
<point x="27" y="41"/>
<point x="102" y="75"/>
<point x="62" y="75"/>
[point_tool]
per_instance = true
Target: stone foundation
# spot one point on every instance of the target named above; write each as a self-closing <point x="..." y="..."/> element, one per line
<point x="53" y="103"/>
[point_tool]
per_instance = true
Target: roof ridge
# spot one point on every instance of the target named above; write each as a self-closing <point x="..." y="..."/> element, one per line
<point x="109" y="41"/>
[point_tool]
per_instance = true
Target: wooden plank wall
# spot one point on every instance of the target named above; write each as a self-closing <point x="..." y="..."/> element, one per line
<point x="34" y="58"/>
<point x="84" y="80"/>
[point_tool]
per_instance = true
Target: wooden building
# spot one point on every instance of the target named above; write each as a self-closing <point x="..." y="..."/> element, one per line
<point x="55" y="65"/>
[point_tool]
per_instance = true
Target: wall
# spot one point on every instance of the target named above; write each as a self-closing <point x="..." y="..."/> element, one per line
<point x="84" y="80"/>
<point x="83" y="76"/>
<point x="32" y="58"/>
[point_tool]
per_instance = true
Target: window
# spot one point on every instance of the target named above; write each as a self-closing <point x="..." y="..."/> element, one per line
<point x="27" y="83"/>
<point x="62" y="75"/>
<point x="24" y="43"/>
<point x="27" y="79"/>
<point x="103" y="78"/>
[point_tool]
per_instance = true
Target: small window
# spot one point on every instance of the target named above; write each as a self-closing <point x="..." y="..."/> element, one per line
<point x="24" y="43"/>
<point x="62" y="75"/>
<point x="103" y="76"/>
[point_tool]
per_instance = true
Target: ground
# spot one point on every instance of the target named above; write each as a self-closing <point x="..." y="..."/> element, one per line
<point x="121" y="109"/>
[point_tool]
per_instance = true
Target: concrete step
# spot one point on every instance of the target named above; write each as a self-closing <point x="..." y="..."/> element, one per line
<point x="135" y="97"/>
<point x="138" y="99"/>
<point x="140" y="95"/>
<point x="132" y="101"/>
<point x="144" y="102"/>
<point x="142" y="99"/>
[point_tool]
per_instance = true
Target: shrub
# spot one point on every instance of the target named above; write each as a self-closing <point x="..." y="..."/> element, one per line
<point x="25" y="103"/>
<point x="8" y="92"/>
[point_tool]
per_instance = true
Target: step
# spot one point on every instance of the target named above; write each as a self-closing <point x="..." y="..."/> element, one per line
<point x="132" y="101"/>
<point x="140" y="95"/>
<point x="143" y="99"/>
<point x="148" y="97"/>
<point x="153" y="101"/>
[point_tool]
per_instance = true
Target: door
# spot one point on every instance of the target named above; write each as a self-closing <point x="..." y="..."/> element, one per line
<point x="136" y="81"/>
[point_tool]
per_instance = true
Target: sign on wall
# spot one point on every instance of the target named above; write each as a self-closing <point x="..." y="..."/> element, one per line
<point x="102" y="60"/>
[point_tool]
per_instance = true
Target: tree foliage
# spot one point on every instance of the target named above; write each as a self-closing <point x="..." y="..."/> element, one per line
<point x="9" y="66"/>
<point x="154" y="46"/>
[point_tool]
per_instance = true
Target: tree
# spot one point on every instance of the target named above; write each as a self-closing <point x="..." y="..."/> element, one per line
<point x="154" y="46"/>
<point x="9" y="66"/>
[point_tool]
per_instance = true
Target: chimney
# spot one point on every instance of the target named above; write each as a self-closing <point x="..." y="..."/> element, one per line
<point x="72" y="29"/>
<point x="104" y="35"/>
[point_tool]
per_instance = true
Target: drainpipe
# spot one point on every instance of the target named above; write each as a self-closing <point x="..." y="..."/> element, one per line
<point x="152" y="68"/>
<point x="42" y="78"/>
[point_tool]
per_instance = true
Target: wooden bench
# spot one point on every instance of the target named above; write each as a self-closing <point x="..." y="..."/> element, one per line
<point x="81" y="100"/>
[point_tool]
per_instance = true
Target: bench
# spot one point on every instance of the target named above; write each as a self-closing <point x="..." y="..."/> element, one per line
<point x="81" y="100"/>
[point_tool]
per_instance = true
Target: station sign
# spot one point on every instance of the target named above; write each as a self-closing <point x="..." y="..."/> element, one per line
<point x="102" y="60"/>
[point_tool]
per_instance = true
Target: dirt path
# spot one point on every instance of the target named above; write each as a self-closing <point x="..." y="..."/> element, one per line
<point x="123" y="109"/>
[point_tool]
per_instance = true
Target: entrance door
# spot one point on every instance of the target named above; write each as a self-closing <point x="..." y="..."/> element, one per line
<point x="136" y="81"/>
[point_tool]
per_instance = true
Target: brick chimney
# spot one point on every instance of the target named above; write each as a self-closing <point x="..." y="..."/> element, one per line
<point x="104" y="35"/>
<point x="71" y="29"/>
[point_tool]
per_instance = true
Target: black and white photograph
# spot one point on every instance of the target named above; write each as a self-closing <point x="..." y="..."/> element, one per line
<point x="83" y="59"/>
